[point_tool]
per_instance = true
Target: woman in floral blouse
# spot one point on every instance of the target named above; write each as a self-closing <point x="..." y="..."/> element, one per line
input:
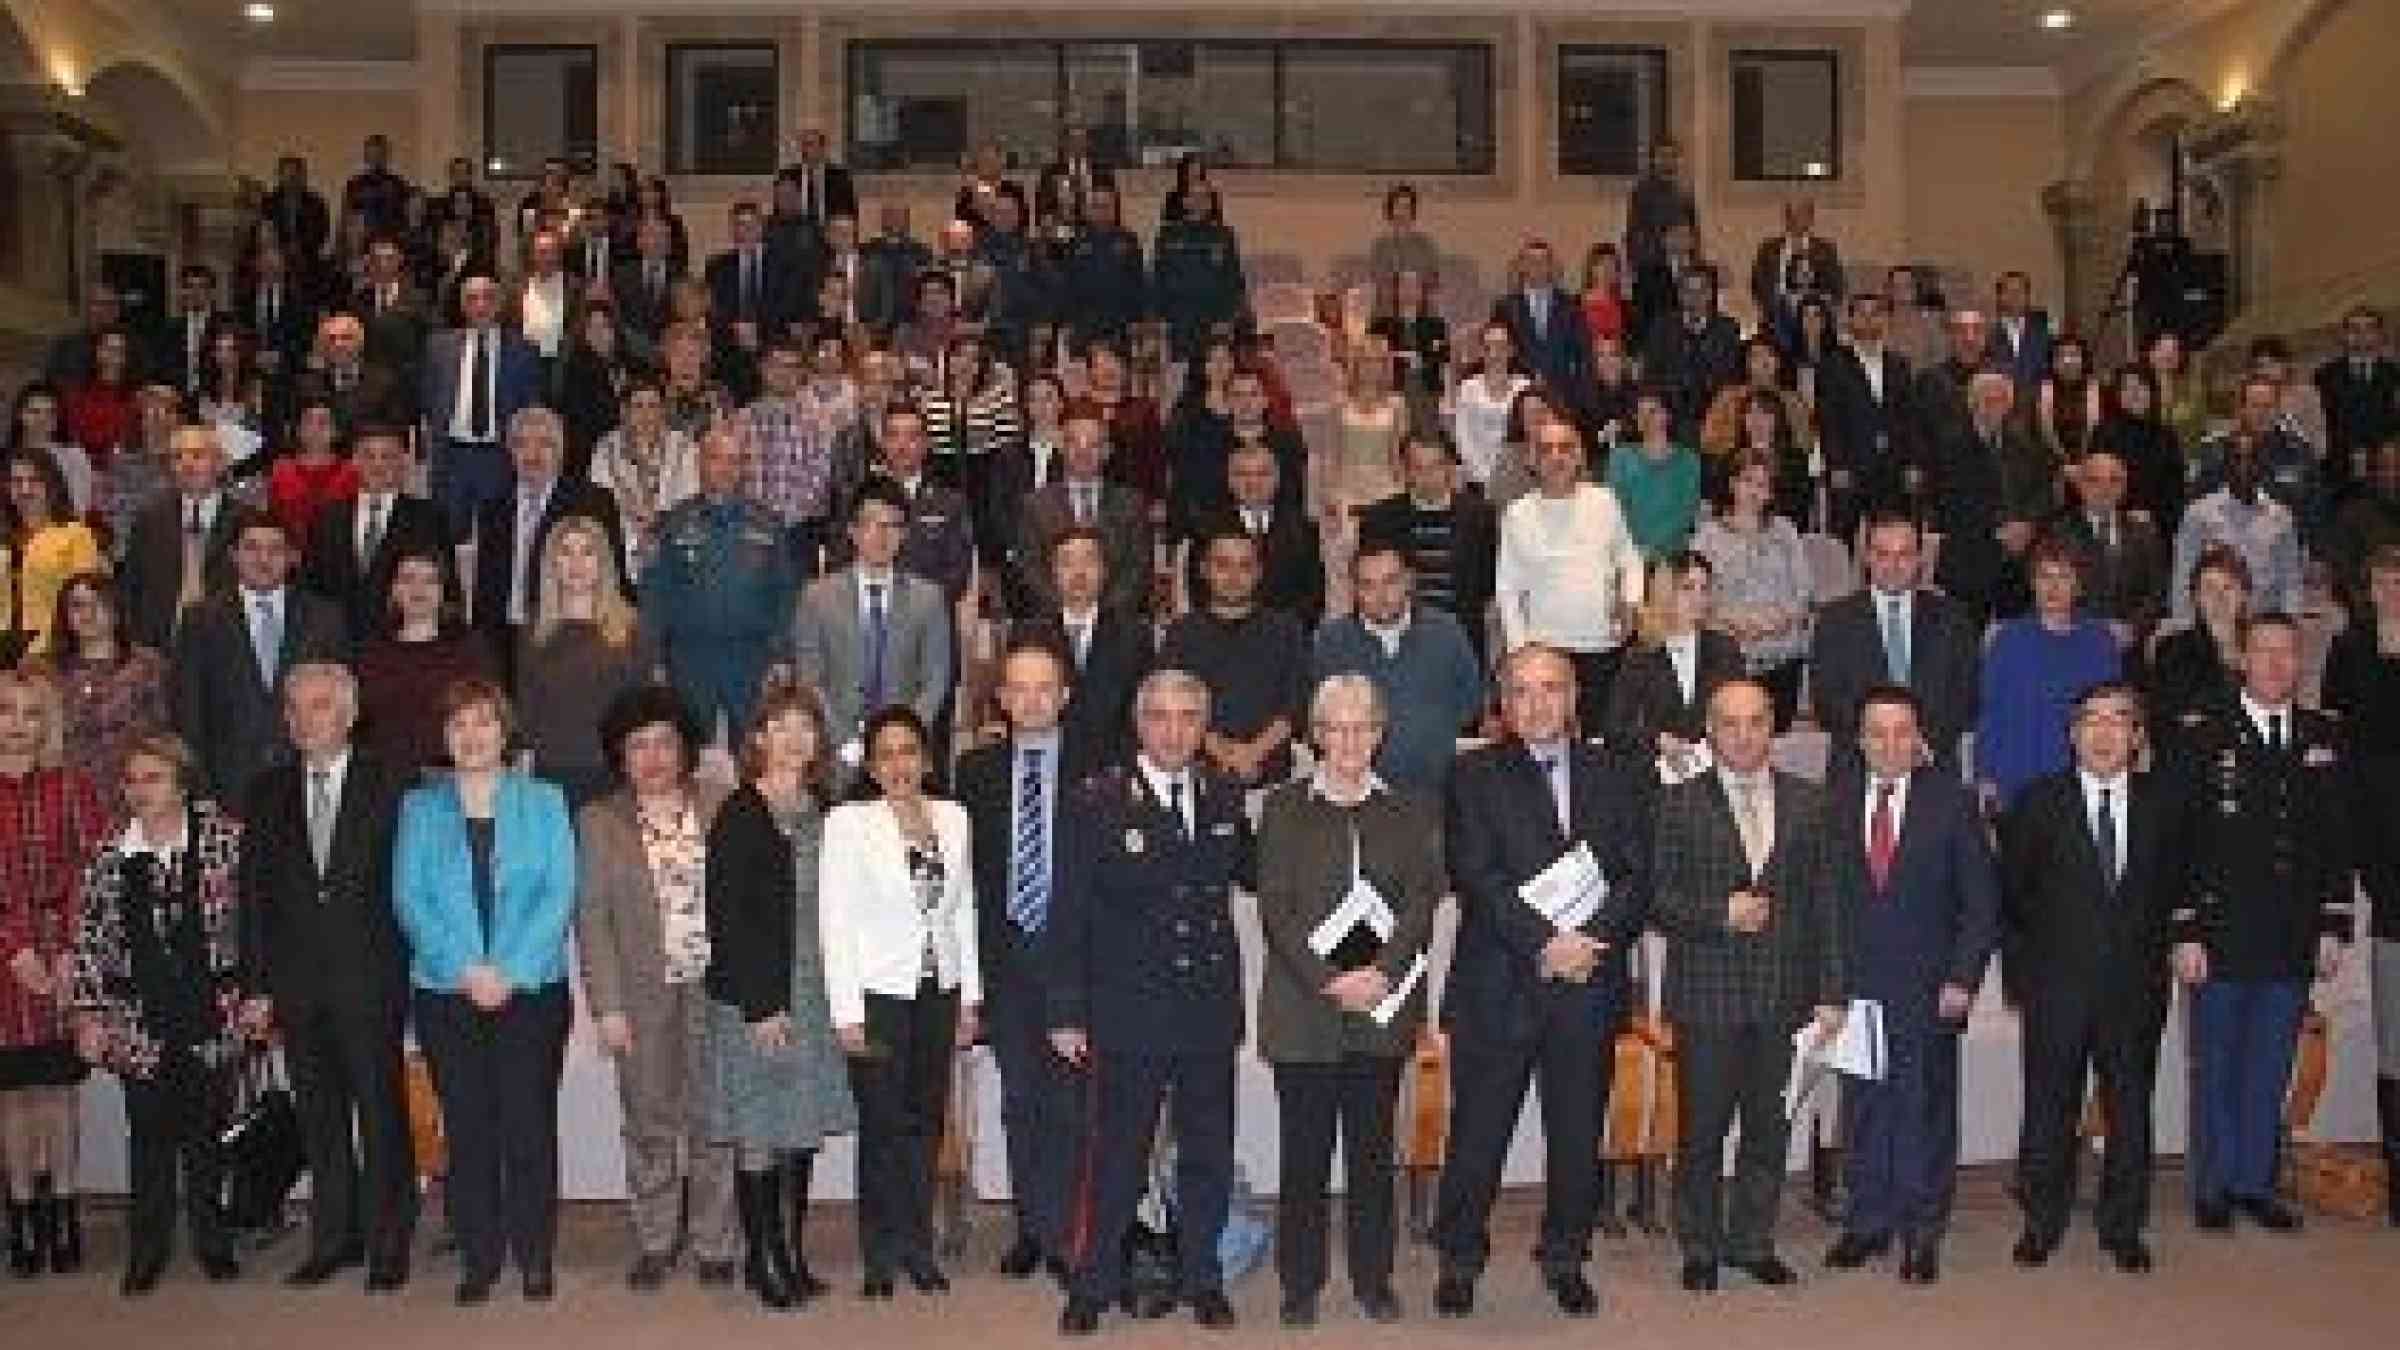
<point x="113" y="692"/>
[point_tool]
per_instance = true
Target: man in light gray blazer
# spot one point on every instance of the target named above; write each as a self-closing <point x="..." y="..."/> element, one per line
<point x="871" y="635"/>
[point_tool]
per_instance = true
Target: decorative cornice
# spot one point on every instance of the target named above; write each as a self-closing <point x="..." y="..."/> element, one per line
<point x="1774" y="10"/>
<point x="1980" y="82"/>
<point x="2087" y="63"/>
<point x="302" y="76"/>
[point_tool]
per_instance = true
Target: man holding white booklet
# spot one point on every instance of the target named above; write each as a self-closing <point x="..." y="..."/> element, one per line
<point x="1549" y="855"/>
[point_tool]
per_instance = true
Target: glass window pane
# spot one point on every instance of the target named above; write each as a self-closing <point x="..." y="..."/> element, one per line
<point x="925" y="105"/>
<point x="1786" y="115"/>
<point x="540" y="102"/>
<point x="1612" y="105"/>
<point x="1152" y="102"/>
<point x="721" y="113"/>
<point x="1387" y="108"/>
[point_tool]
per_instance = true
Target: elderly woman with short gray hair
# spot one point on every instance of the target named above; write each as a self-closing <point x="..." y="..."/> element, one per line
<point x="1349" y="872"/>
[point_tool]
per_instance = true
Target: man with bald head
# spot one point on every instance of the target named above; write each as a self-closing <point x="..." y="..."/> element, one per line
<point x="477" y="376"/>
<point x="1991" y="483"/>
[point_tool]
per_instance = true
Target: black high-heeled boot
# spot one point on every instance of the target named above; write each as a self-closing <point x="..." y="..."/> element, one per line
<point x="24" y="1257"/>
<point x="764" y="1271"/>
<point x="66" y="1234"/>
<point x="2387" y="1111"/>
<point x="798" y="1172"/>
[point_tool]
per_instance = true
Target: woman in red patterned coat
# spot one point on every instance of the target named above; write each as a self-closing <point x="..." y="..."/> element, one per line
<point x="51" y="822"/>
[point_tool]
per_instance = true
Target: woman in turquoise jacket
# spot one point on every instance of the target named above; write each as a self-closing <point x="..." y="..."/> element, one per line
<point x="483" y="876"/>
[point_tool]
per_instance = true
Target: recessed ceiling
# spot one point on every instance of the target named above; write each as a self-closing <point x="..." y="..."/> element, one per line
<point x="317" y="30"/>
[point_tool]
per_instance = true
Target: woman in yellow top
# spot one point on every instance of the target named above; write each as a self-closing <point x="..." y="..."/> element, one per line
<point x="46" y="546"/>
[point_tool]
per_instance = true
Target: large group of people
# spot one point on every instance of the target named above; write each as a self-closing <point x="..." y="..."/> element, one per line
<point x="371" y="618"/>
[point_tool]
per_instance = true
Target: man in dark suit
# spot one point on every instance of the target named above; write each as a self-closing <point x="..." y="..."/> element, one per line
<point x="1991" y="486"/>
<point x="325" y="954"/>
<point x="361" y="390"/>
<point x="1534" y="996"/>
<point x="1066" y="184"/>
<point x="180" y="548"/>
<point x="1920" y="910"/>
<point x="753" y="294"/>
<point x="1107" y="653"/>
<point x="2266" y="910"/>
<point x="1079" y="494"/>
<point x="1745" y="892"/>
<point x="477" y="377"/>
<point x="825" y="187"/>
<point x="1145" y="986"/>
<point x="2020" y="333"/>
<point x="1544" y="321"/>
<point x="303" y="224"/>
<point x="2361" y="392"/>
<point x="940" y="546"/>
<point x="891" y="261"/>
<point x="1692" y="352"/>
<point x="2119" y="553"/>
<point x="1891" y="632"/>
<point x="644" y="284"/>
<point x="397" y="315"/>
<point x="279" y="310"/>
<point x="1863" y="417"/>
<point x="231" y="655"/>
<point x="2093" y="863"/>
<point x="515" y="525"/>
<point x="1012" y="790"/>
<point x="1292" y="568"/>
<point x="178" y="347"/>
<point x="1771" y="268"/>
<point x="353" y="542"/>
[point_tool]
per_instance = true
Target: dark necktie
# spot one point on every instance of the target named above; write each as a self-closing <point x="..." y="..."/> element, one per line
<point x="479" y="397"/>
<point x="878" y="635"/>
<point x="2275" y="741"/>
<point x="2104" y="838"/>
<point x="372" y="539"/>
<point x="1883" y="838"/>
<point x="1183" y="828"/>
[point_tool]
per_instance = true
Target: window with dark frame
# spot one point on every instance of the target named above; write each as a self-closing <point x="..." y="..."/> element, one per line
<point x="722" y="108"/>
<point x="1301" y="106"/>
<point x="1612" y="107"/>
<point x="1787" y="115"/>
<point x="540" y="101"/>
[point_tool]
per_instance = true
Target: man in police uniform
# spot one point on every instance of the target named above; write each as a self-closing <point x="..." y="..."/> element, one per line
<point x="718" y="592"/>
<point x="2269" y="906"/>
<point x="1146" y="989"/>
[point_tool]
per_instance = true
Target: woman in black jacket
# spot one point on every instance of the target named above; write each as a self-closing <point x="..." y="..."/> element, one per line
<point x="591" y="384"/>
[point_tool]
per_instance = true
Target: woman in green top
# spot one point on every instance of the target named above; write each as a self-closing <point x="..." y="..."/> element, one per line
<point x="1657" y="482"/>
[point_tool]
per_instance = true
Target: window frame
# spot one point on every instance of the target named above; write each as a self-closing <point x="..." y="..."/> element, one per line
<point x="1828" y="57"/>
<point x="493" y="53"/>
<point x="1662" y="115"/>
<point x="674" y="110"/>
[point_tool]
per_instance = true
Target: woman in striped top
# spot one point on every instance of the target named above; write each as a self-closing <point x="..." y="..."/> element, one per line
<point x="973" y="416"/>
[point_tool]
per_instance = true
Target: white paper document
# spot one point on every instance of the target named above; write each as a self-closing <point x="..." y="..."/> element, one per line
<point x="1385" y="1011"/>
<point x="1858" y="1050"/>
<point x="1570" y="890"/>
<point x="1686" y="764"/>
<point x="1362" y="903"/>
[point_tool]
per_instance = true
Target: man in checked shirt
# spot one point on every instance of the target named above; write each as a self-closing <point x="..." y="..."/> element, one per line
<point x="796" y="469"/>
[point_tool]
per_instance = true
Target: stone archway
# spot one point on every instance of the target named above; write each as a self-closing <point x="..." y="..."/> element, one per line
<point x="2121" y="162"/>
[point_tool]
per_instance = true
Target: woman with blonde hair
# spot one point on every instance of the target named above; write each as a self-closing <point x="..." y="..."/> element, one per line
<point x="585" y="646"/>
<point x="51" y="823"/>
<point x="776" y="1084"/>
<point x="1658" y="704"/>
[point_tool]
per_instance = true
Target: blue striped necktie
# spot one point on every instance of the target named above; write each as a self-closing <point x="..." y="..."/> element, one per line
<point x="1029" y="875"/>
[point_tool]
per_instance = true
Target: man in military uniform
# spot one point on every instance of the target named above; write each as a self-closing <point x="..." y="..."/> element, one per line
<point x="1146" y="990"/>
<point x="2269" y="906"/>
<point x="718" y="593"/>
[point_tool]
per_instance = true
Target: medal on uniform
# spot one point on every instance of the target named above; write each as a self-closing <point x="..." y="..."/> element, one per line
<point x="1133" y="841"/>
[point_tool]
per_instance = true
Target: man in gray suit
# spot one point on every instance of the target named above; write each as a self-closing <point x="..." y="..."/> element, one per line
<point x="870" y="635"/>
<point x="1743" y="887"/>
<point x="1079" y="496"/>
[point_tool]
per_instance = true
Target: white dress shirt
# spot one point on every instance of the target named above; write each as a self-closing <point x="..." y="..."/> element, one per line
<point x="2117" y="789"/>
<point x="1683" y="652"/>
<point x="462" y="424"/>
<point x="2265" y="719"/>
<point x="1168" y="788"/>
<point x="1875" y="785"/>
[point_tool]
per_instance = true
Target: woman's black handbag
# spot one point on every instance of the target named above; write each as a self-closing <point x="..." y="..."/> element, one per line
<point x="259" y="1148"/>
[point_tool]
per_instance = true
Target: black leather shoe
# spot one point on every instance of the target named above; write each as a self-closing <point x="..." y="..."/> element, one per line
<point x="387" y="1279"/>
<point x="141" y="1278"/>
<point x="1380" y="1305"/>
<point x="929" y="1279"/>
<point x="1081" y="1318"/>
<point x="1454" y="1296"/>
<point x="1022" y="1259"/>
<point x="2269" y="1213"/>
<point x="1921" y="1263"/>
<point x="220" y="1269"/>
<point x="1298" y="1311"/>
<point x="715" y="1272"/>
<point x="1575" y="1295"/>
<point x="318" y="1269"/>
<point x="1150" y="1307"/>
<point x="1210" y="1310"/>
<point x="1768" y="1270"/>
<point x="2132" y="1256"/>
<point x="541" y="1286"/>
<point x="1852" y="1250"/>
<point x="649" y="1273"/>
<point x="876" y="1285"/>
<point x="2212" y="1216"/>
<point x="473" y="1291"/>
<point x="2032" y="1249"/>
<point x="1700" y="1277"/>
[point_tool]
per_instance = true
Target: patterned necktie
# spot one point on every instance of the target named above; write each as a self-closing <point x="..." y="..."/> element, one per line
<point x="1883" y="837"/>
<point x="266" y="639"/>
<point x="878" y="634"/>
<point x="1895" y="640"/>
<point x="1029" y="870"/>
<point x="372" y="538"/>
<point x="320" y="816"/>
<point x="1753" y="828"/>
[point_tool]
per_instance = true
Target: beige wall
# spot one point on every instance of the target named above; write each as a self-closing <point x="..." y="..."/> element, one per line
<point x="326" y="128"/>
<point x="1976" y="170"/>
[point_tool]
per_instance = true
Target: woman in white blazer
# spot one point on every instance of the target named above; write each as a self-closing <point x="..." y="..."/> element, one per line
<point x="896" y="911"/>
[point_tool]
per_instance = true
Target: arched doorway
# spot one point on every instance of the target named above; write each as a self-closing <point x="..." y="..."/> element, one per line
<point x="158" y="120"/>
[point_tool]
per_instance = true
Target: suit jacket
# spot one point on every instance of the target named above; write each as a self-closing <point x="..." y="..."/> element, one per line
<point x="1937" y="917"/>
<point x="2358" y="413"/>
<point x="1767" y="270"/>
<point x="2067" y="942"/>
<point x="777" y="300"/>
<point x="1945" y="668"/>
<point x="1975" y="488"/>
<point x="1291" y="566"/>
<point x="829" y="648"/>
<point x="293" y="327"/>
<point x="940" y="546"/>
<point x="753" y="933"/>
<point x="516" y="384"/>
<point x="170" y="358"/>
<point x="840" y="194"/>
<point x="1098" y="721"/>
<point x="314" y="938"/>
<point x="1560" y="351"/>
<point x="332" y="568"/>
<point x="1306" y="848"/>
<point x="987" y="788"/>
<point x="620" y="942"/>
<point x="1124" y="526"/>
<point x="2127" y="582"/>
<point x="533" y="882"/>
<point x="378" y="393"/>
<point x="641" y="312"/>
<point x="1715" y="976"/>
<point x="496" y="545"/>
<point x="2028" y="360"/>
<point x="1869" y="437"/>
<point x="396" y="337"/>
<point x="1646" y="698"/>
<point x="1502" y="828"/>
<point x="1692" y="365"/>
<point x="151" y="572"/>
<point x="226" y="709"/>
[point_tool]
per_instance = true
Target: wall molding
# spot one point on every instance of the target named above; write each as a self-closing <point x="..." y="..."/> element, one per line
<point x="1981" y="82"/>
<point x="303" y="76"/>
<point x="1781" y="11"/>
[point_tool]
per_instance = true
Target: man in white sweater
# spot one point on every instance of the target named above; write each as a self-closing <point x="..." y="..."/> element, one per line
<point x="1569" y="574"/>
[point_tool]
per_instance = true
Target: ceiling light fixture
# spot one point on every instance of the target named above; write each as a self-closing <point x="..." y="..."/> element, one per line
<point x="2058" y="20"/>
<point x="259" y="12"/>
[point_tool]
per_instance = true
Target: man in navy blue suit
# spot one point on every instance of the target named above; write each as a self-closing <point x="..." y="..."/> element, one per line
<point x="2020" y="341"/>
<point x="1528" y="999"/>
<point x="1921" y="903"/>
<point x="477" y="376"/>
<point x="1545" y="321"/>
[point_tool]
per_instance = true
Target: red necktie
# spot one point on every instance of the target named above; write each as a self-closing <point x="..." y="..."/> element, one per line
<point x="1883" y="838"/>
